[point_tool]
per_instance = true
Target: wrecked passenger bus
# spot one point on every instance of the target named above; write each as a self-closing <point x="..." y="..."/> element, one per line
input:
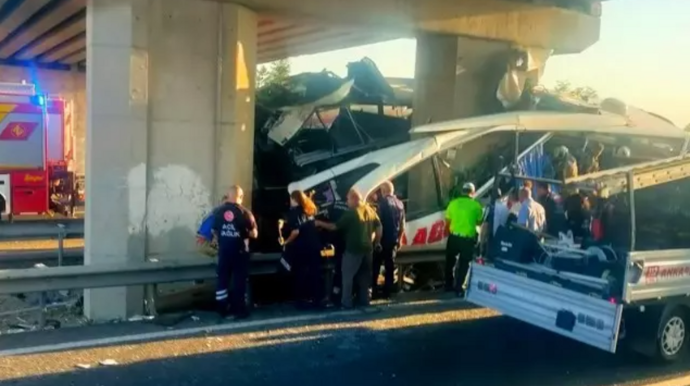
<point x="640" y="292"/>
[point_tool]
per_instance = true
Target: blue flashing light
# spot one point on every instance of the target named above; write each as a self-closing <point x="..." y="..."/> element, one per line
<point x="39" y="100"/>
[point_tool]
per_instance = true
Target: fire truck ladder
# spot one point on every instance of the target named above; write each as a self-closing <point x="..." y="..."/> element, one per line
<point x="637" y="176"/>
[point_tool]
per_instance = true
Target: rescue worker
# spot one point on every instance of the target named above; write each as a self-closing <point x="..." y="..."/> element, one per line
<point x="363" y="231"/>
<point x="495" y="216"/>
<point x="554" y="213"/>
<point x="591" y="158"/>
<point x="391" y="212"/>
<point x="577" y="213"/>
<point x="564" y="164"/>
<point x="532" y="214"/>
<point x="513" y="204"/>
<point x="463" y="216"/>
<point x="498" y="213"/>
<point x="207" y="244"/>
<point x="233" y="226"/>
<point x="303" y="248"/>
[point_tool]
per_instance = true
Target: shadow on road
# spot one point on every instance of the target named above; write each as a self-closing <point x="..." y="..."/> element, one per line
<point x="427" y="345"/>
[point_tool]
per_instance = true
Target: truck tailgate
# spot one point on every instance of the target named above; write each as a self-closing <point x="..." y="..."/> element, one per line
<point x="584" y="318"/>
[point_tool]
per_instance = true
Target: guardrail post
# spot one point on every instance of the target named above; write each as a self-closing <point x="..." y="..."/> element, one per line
<point x="42" y="316"/>
<point x="151" y="294"/>
<point x="401" y="277"/>
<point x="61" y="243"/>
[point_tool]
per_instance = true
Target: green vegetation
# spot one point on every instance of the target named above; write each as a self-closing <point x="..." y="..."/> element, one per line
<point x="276" y="73"/>
<point x="585" y="94"/>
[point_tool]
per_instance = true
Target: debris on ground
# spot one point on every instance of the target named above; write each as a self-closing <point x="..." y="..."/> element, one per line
<point x="140" y="318"/>
<point x="22" y="312"/>
<point x="108" y="362"/>
<point x="82" y="366"/>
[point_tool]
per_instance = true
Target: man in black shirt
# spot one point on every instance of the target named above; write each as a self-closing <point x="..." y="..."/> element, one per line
<point x="392" y="215"/>
<point x="233" y="226"/>
<point x="555" y="217"/>
<point x="577" y="213"/>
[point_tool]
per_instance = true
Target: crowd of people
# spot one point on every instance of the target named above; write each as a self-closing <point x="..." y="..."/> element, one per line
<point x="373" y="234"/>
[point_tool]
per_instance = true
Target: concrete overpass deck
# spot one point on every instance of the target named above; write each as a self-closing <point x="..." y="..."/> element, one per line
<point x="52" y="33"/>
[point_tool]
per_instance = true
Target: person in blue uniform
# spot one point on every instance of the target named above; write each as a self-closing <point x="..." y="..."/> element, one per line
<point x="303" y="247"/>
<point x="204" y="234"/>
<point x="233" y="226"/>
<point x="391" y="212"/>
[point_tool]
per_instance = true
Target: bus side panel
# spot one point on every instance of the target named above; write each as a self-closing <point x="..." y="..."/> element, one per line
<point x="580" y="317"/>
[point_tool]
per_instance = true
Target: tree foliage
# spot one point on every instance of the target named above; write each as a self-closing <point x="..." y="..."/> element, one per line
<point x="586" y="94"/>
<point x="275" y="73"/>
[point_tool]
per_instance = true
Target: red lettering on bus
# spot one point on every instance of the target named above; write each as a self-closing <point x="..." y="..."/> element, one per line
<point x="420" y="237"/>
<point x="437" y="232"/>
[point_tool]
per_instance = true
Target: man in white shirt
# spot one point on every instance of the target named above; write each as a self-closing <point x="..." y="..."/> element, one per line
<point x="532" y="215"/>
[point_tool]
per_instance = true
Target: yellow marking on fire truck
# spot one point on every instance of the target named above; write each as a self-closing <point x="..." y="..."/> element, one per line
<point x="30" y="178"/>
<point x="5" y="110"/>
<point x="18" y="131"/>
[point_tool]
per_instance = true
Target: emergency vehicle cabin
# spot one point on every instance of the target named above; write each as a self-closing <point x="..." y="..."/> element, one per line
<point x="36" y="147"/>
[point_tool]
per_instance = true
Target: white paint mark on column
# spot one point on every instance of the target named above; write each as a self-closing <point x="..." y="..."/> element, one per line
<point x="177" y="199"/>
<point x="136" y="182"/>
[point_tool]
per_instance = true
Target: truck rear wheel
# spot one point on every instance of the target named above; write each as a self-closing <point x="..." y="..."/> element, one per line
<point x="672" y="334"/>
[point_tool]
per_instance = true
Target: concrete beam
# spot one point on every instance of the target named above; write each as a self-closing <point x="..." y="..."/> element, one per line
<point x="564" y="30"/>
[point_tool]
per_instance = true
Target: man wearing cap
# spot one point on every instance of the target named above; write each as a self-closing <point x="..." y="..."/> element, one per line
<point x="463" y="216"/>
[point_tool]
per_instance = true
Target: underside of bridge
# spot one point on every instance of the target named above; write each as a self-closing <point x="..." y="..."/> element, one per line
<point x="52" y="33"/>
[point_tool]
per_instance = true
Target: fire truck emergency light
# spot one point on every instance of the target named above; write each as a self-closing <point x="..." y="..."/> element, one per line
<point x="38" y="100"/>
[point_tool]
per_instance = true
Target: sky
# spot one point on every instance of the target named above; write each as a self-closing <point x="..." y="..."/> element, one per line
<point x="642" y="57"/>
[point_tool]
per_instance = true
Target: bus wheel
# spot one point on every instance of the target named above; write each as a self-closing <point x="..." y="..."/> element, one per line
<point x="672" y="334"/>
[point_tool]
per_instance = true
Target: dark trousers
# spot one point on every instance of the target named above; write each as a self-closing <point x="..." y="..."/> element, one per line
<point x="308" y="285"/>
<point x="356" y="273"/>
<point x="459" y="254"/>
<point x="232" y="268"/>
<point x="385" y="257"/>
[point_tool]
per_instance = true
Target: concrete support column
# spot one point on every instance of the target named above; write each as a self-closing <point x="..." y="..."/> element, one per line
<point x="170" y="126"/>
<point x="237" y="79"/>
<point x="455" y="77"/>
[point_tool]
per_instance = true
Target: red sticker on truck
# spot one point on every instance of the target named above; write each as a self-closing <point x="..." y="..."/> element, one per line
<point x="656" y="272"/>
<point x="17" y="131"/>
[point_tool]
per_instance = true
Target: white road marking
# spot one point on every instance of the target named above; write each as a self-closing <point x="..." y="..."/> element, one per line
<point x="205" y="329"/>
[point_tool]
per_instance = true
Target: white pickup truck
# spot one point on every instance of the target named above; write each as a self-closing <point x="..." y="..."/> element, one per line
<point x="640" y="297"/>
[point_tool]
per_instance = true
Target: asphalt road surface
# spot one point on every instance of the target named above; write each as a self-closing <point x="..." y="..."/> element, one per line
<point x="443" y="343"/>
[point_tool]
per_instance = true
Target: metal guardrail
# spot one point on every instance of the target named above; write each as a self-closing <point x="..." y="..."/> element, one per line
<point x="44" y="229"/>
<point x="103" y="275"/>
<point x="186" y="268"/>
<point x="189" y="268"/>
<point x="49" y="257"/>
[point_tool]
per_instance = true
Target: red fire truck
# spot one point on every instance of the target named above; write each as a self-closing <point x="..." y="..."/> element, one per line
<point x="36" y="150"/>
